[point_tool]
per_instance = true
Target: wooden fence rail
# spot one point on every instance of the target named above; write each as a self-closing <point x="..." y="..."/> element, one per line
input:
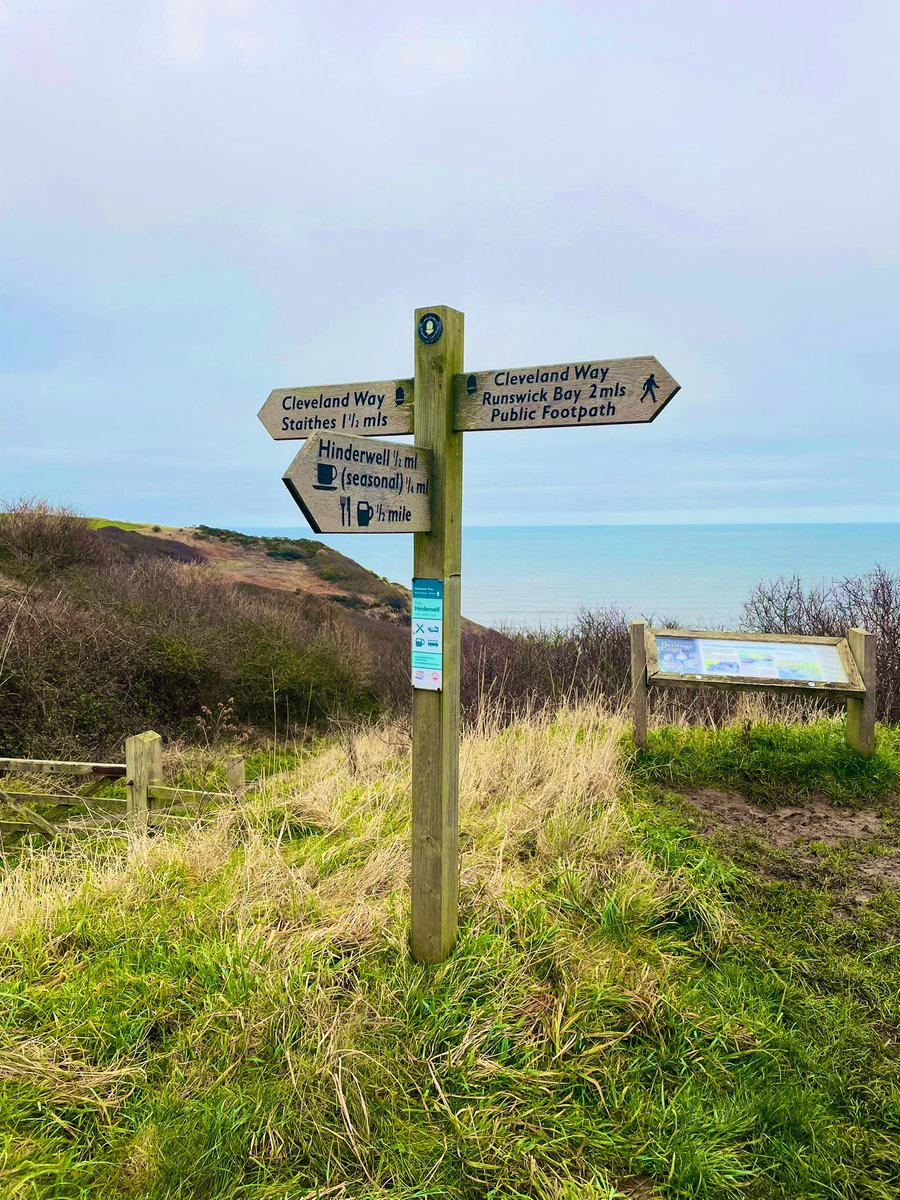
<point x="147" y="797"/>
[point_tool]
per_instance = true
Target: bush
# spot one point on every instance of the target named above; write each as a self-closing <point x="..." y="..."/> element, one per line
<point x="869" y="601"/>
<point x="134" y="643"/>
<point x="38" y="541"/>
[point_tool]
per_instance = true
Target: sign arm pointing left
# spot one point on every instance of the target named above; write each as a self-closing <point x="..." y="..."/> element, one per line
<point x="348" y="484"/>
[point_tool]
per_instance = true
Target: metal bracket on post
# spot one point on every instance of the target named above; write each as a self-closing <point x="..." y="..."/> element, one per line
<point x="435" y="724"/>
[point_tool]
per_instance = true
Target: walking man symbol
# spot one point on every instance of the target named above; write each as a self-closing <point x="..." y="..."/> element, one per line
<point x="650" y="386"/>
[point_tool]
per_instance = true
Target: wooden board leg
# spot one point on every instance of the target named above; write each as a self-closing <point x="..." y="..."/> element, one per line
<point x="861" y="713"/>
<point x="639" y="682"/>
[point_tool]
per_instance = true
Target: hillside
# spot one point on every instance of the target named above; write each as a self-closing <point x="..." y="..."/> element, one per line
<point x="278" y="564"/>
<point x="669" y="983"/>
<point x="107" y="629"/>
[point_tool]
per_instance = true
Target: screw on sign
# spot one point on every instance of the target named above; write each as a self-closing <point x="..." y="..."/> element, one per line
<point x="346" y="482"/>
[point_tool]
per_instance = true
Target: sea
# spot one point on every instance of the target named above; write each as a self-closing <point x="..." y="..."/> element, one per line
<point x="531" y="576"/>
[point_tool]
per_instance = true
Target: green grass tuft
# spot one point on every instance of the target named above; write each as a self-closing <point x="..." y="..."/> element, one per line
<point x="771" y="763"/>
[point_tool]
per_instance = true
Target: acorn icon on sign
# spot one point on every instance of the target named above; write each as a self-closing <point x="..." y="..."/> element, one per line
<point x="399" y="396"/>
<point x="471" y="385"/>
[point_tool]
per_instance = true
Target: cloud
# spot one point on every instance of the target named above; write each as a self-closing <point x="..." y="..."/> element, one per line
<point x="203" y="200"/>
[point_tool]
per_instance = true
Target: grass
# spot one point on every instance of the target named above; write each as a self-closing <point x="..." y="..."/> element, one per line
<point x="234" y="1014"/>
<point x="128" y="526"/>
<point x="773" y="762"/>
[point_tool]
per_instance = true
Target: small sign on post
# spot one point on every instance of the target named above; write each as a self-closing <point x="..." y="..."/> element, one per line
<point x="427" y="634"/>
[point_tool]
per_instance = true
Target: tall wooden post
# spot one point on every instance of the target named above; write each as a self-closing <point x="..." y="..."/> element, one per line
<point x="639" y="682"/>
<point x="143" y="767"/>
<point x="435" y="724"/>
<point x="861" y="713"/>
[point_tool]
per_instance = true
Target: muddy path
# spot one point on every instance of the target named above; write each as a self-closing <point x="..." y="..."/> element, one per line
<point x="854" y="853"/>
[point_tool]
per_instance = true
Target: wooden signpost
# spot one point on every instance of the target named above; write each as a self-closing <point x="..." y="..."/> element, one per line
<point x="346" y="483"/>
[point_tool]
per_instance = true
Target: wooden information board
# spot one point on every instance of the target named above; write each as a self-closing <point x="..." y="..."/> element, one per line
<point x="768" y="662"/>
<point x="686" y="657"/>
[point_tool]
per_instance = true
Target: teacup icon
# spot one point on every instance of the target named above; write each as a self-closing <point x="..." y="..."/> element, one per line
<point x="364" y="513"/>
<point x="325" y="476"/>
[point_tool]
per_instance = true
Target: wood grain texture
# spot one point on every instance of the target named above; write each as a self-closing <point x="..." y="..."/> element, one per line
<point x="178" y="795"/>
<point x="435" y="753"/>
<point x="639" y="682"/>
<point x="67" y="799"/>
<point x="370" y="409"/>
<point x="36" y="766"/>
<point x="143" y="760"/>
<point x="621" y="391"/>
<point x="348" y="484"/>
<point x="860" y="728"/>
<point x="30" y="816"/>
<point x="161" y="820"/>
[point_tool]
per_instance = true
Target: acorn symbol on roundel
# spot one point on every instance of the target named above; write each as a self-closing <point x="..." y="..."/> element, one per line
<point x="399" y="396"/>
<point x="471" y="385"/>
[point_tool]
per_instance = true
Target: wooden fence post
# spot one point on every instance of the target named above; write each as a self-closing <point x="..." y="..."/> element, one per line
<point x="639" y="682"/>
<point x="143" y="763"/>
<point x="435" y="715"/>
<point x="860" y="728"/>
<point x="236" y="775"/>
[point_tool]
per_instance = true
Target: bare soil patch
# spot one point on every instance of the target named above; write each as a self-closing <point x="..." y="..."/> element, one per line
<point x="816" y="820"/>
<point x="795" y="831"/>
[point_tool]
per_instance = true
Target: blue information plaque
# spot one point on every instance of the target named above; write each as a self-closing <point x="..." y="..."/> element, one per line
<point x="428" y="634"/>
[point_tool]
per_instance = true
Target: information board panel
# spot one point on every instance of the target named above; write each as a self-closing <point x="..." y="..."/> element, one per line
<point x="701" y="657"/>
<point x="750" y="659"/>
<point x="428" y="634"/>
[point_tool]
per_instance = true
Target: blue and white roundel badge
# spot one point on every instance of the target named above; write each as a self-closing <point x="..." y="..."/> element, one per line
<point x="430" y="328"/>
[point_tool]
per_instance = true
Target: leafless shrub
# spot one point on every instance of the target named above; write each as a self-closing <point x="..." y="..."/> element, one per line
<point x="38" y="540"/>
<point x="151" y="643"/>
<point x="869" y="601"/>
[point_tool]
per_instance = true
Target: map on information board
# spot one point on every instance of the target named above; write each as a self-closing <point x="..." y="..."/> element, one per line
<point x="747" y="659"/>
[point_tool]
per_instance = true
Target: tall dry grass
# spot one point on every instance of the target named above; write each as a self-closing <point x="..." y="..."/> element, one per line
<point x="538" y="791"/>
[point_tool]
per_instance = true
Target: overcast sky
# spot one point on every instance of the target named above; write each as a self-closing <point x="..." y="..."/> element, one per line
<point x="201" y="200"/>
